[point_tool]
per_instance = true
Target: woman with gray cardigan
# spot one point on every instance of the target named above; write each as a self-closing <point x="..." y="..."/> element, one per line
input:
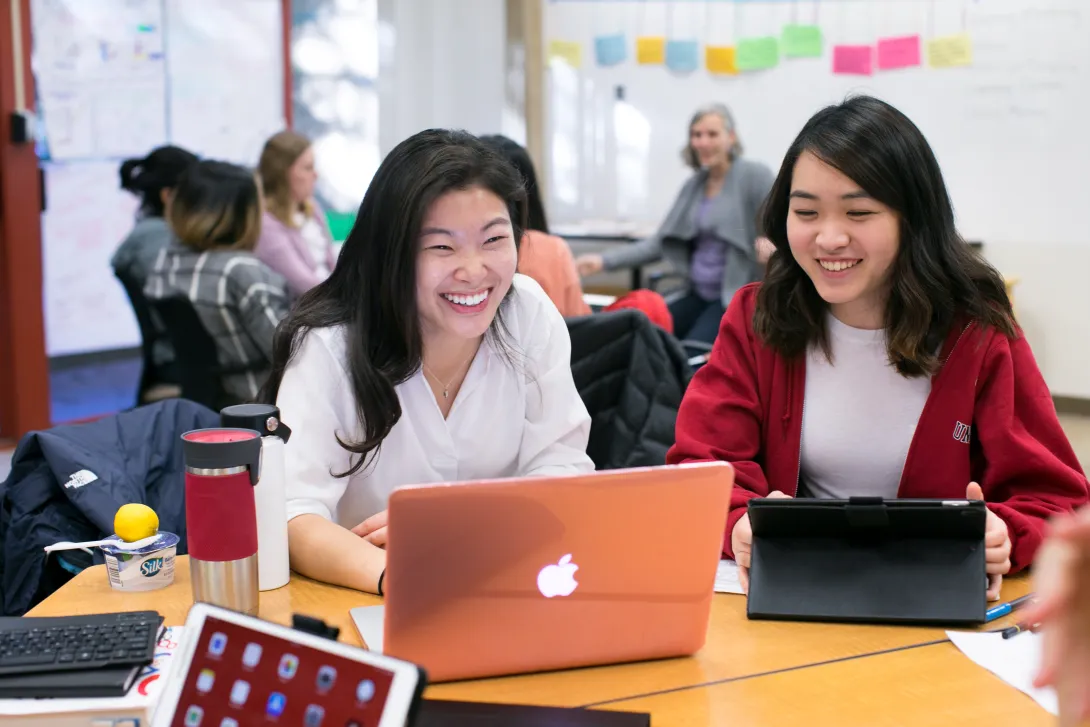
<point x="710" y="233"/>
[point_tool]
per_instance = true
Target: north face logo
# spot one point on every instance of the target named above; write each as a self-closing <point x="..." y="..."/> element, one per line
<point x="962" y="432"/>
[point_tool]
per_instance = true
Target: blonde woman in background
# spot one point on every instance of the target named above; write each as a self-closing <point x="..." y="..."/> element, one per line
<point x="295" y="239"/>
<point x="215" y="214"/>
<point x="710" y="233"/>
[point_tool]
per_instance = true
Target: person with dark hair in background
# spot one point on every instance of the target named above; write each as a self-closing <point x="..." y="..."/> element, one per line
<point x="151" y="179"/>
<point x="295" y="239"/>
<point x="215" y="215"/>
<point x="880" y="356"/>
<point x="544" y="257"/>
<point x="710" y="233"/>
<point x="423" y="358"/>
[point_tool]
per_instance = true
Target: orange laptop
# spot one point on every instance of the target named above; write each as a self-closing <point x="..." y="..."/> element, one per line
<point x="511" y="576"/>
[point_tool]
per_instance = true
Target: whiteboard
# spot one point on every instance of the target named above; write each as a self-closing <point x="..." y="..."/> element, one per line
<point x="226" y="76"/>
<point x="115" y="79"/>
<point x="86" y="309"/>
<point x="100" y="77"/>
<point x="1009" y="130"/>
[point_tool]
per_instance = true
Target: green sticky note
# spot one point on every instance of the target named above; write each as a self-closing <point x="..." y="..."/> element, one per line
<point x="801" y="41"/>
<point x="757" y="54"/>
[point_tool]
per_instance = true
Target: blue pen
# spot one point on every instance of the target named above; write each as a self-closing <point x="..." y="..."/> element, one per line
<point x="1004" y="608"/>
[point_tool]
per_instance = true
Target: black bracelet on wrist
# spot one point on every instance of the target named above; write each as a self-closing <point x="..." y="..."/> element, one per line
<point x="381" y="578"/>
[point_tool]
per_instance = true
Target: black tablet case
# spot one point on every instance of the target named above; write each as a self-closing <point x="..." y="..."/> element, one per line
<point x="444" y="713"/>
<point x="868" y="560"/>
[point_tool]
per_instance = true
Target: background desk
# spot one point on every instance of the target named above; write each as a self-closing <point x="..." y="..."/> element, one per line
<point x="736" y="649"/>
<point x="599" y="236"/>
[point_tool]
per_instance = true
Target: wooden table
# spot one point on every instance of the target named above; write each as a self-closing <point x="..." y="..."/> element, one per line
<point x="926" y="685"/>
<point x="749" y="672"/>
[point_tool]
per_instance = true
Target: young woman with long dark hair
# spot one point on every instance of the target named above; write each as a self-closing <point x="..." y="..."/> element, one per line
<point x="880" y="355"/>
<point x="423" y="358"/>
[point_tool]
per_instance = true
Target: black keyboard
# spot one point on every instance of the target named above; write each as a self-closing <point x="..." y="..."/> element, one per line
<point x="65" y="643"/>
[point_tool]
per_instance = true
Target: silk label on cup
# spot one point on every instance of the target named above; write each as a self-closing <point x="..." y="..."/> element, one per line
<point x="146" y="569"/>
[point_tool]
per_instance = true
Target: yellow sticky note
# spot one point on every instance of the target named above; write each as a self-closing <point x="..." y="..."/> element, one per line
<point x="651" y="50"/>
<point x="950" y="51"/>
<point x="720" y="59"/>
<point x="566" y="51"/>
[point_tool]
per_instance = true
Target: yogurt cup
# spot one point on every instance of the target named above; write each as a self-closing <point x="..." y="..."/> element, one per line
<point x="145" y="569"/>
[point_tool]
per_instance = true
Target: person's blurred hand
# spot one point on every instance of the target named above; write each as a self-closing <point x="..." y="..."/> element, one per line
<point x="997" y="544"/>
<point x="589" y="264"/>
<point x="1061" y="579"/>
<point x="741" y="542"/>
<point x="373" y="529"/>
<point x="765" y="248"/>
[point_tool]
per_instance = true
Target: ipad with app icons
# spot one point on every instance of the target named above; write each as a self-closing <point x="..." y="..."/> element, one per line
<point x="234" y="670"/>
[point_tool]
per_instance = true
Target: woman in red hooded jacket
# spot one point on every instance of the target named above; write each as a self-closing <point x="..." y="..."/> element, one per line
<point x="880" y="355"/>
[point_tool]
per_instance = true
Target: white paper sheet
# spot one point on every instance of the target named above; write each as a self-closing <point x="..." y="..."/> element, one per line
<point x="142" y="695"/>
<point x="1013" y="660"/>
<point x="726" y="578"/>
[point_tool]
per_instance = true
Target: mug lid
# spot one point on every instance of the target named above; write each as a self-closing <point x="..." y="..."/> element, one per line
<point x="218" y="448"/>
<point x="262" y="418"/>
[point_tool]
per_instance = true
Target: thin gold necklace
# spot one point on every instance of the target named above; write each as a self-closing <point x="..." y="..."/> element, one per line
<point x="446" y="386"/>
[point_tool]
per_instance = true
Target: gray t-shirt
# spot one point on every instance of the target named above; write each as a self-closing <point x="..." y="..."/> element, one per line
<point x="137" y="253"/>
<point x="859" y="417"/>
<point x="135" y="257"/>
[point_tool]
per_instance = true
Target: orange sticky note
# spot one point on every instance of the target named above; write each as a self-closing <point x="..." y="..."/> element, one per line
<point x="651" y="50"/>
<point x="720" y="59"/>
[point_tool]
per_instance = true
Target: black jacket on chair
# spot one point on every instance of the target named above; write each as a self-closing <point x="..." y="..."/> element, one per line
<point x="67" y="483"/>
<point x="631" y="375"/>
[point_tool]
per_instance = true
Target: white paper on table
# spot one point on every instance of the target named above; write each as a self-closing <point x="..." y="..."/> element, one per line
<point x="142" y="695"/>
<point x="726" y="578"/>
<point x="1014" y="660"/>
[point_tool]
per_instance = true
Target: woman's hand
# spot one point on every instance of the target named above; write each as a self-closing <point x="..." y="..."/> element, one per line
<point x="1061" y="579"/>
<point x="373" y="529"/>
<point x="997" y="544"/>
<point x="589" y="264"/>
<point x="741" y="542"/>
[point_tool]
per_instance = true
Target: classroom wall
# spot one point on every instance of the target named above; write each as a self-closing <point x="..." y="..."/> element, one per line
<point x="1006" y="128"/>
<point x="442" y="64"/>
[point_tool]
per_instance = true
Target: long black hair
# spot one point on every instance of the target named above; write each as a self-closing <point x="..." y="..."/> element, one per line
<point x="148" y="177"/>
<point x="520" y="159"/>
<point x="372" y="289"/>
<point x="936" y="277"/>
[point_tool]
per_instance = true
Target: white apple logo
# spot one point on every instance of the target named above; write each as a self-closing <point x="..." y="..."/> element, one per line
<point x="559" y="579"/>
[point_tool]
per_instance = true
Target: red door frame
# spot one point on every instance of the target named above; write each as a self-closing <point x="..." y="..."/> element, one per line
<point x="285" y="28"/>
<point x="24" y="369"/>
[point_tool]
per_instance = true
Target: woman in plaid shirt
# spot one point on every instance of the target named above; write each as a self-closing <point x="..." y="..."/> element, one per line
<point x="215" y="214"/>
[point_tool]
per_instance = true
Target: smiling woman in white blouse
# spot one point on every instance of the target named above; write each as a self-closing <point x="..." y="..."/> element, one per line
<point x="423" y="358"/>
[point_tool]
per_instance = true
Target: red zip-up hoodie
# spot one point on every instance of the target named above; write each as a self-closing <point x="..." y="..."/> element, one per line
<point x="989" y="419"/>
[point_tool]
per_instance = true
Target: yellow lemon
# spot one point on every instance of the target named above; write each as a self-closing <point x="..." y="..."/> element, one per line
<point x="135" y="521"/>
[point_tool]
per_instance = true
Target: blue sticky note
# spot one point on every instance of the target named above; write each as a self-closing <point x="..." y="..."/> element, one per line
<point x="609" y="50"/>
<point x="682" y="55"/>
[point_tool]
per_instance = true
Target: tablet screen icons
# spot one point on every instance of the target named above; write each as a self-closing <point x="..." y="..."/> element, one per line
<point x="289" y="664"/>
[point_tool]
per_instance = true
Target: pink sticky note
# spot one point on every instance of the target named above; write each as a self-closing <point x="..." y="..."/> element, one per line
<point x="903" y="52"/>
<point x="853" y="59"/>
